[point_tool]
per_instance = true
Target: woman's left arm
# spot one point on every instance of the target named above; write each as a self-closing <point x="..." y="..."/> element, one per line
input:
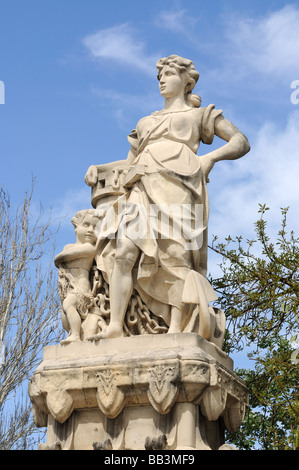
<point x="237" y="145"/>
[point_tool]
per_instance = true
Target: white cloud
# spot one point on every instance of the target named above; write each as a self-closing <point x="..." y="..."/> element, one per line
<point x="176" y="21"/>
<point x="126" y="105"/>
<point x="247" y="48"/>
<point x="120" y="43"/>
<point x="72" y="201"/>
<point x="268" y="45"/>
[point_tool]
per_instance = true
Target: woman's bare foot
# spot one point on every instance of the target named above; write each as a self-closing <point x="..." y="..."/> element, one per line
<point x="70" y="339"/>
<point x="173" y="329"/>
<point x="113" y="330"/>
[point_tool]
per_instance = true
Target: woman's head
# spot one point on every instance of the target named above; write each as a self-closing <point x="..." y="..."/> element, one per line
<point x="185" y="68"/>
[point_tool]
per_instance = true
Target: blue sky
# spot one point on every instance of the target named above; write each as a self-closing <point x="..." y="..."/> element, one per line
<point x="78" y="76"/>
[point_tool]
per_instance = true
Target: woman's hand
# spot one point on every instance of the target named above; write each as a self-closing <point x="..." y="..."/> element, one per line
<point x="206" y="163"/>
<point x="237" y="146"/>
<point x="91" y="177"/>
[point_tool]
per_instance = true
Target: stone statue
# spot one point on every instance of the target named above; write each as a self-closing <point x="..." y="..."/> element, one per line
<point x="162" y="172"/>
<point x="74" y="264"/>
<point x="138" y="270"/>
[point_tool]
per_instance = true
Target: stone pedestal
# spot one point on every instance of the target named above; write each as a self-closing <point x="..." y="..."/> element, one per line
<point x="170" y="391"/>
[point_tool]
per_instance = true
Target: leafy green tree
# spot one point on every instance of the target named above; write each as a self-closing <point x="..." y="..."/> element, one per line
<point x="259" y="292"/>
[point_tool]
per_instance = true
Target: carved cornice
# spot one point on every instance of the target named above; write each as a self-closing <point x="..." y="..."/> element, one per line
<point x="159" y="382"/>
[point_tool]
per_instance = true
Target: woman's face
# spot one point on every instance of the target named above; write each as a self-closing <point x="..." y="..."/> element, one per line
<point x="171" y="83"/>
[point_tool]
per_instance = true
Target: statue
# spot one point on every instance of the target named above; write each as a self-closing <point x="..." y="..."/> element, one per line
<point x="138" y="269"/>
<point x="153" y="210"/>
<point x="167" y="172"/>
<point x="74" y="264"/>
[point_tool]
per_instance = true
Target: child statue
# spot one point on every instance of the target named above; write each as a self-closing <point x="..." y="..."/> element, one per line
<point x="75" y="263"/>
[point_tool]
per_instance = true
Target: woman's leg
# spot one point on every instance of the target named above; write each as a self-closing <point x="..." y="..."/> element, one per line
<point x="120" y="288"/>
<point x="175" y="320"/>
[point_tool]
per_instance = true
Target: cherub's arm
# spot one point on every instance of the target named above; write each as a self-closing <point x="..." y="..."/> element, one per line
<point x="74" y="251"/>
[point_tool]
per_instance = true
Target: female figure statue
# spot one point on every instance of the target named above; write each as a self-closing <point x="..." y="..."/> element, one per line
<point x="166" y="272"/>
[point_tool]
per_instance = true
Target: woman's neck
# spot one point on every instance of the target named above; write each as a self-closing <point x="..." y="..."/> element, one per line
<point x="176" y="103"/>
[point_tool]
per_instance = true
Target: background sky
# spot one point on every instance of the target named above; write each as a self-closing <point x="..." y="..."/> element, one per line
<point x="78" y="76"/>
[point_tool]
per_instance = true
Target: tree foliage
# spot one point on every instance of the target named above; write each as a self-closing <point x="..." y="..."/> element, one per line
<point x="29" y="307"/>
<point x="259" y="292"/>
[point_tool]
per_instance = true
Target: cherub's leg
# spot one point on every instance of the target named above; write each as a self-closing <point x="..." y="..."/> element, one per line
<point x="90" y="325"/>
<point x="121" y="287"/>
<point x="69" y="306"/>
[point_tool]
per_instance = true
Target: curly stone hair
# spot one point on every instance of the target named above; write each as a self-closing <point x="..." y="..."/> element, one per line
<point x="185" y="66"/>
<point x="80" y="216"/>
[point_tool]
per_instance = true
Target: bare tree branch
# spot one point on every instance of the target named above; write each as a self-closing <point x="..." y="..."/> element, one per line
<point x="29" y="312"/>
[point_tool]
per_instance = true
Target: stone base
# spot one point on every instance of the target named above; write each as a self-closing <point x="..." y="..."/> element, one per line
<point x="173" y="391"/>
<point x="136" y="428"/>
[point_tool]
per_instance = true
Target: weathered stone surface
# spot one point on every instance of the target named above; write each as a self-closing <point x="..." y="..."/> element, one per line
<point x="142" y="374"/>
<point x="147" y="233"/>
<point x="142" y="364"/>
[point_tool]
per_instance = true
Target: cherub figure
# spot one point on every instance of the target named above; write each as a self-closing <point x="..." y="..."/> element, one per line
<point x="74" y="264"/>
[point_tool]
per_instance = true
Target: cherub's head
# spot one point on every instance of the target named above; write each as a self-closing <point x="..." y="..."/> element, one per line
<point x="84" y="222"/>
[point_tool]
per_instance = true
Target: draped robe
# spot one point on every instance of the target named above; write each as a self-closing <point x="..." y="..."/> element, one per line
<point x="165" y="144"/>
